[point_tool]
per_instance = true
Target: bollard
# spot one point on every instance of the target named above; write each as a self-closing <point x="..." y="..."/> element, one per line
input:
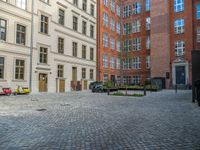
<point x="108" y="91"/>
<point x="176" y="88"/>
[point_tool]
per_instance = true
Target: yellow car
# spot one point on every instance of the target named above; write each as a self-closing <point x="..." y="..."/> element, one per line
<point x="22" y="90"/>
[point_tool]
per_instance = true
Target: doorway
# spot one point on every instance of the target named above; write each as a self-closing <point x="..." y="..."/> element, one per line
<point x="43" y="82"/>
<point x="180" y="75"/>
<point x="61" y="85"/>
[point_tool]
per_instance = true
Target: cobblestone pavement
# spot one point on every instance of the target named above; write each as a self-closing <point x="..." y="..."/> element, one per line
<point x="82" y="120"/>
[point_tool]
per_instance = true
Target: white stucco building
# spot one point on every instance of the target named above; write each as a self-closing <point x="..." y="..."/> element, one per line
<point x="59" y="36"/>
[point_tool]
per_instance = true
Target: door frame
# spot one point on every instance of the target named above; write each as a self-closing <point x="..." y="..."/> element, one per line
<point x="184" y="64"/>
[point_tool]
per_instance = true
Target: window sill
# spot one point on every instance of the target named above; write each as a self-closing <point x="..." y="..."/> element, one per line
<point x="43" y="64"/>
<point x="44" y="33"/>
<point x="19" y="80"/>
<point x="3" y="80"/>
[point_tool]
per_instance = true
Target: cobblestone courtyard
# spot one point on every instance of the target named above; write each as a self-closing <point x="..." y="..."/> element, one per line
<point x="86" y="121"/>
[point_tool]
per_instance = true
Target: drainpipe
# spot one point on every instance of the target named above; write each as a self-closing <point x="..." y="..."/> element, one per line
<point x="31" y="46"/>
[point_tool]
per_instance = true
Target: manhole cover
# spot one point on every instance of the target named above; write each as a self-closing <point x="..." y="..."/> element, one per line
<point x="42" y="109"/>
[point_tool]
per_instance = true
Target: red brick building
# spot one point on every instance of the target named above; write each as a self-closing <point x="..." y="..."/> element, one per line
<point x="156" y="39"/>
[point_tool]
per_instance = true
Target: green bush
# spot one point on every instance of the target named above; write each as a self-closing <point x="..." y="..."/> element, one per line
<point x="108" y="84"/>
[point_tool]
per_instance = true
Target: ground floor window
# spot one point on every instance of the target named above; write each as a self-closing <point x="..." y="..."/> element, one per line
<point x="19" y="69"/>
<point x="91" y="74"/>
<point x="1" y="67"/>
<point x="60" y="71"/>
<point x="136" y="80"/>
<point x="105" y="77"/>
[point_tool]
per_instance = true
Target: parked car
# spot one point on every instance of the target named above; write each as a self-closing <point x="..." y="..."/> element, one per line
<point x="21" y="90"/>
<point x="97" y="88"/>
<point x="5" y="91"/>
<point x="93" y="84"/>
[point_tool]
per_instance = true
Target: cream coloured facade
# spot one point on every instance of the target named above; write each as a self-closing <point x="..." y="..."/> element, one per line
<point x="63" y="48"/>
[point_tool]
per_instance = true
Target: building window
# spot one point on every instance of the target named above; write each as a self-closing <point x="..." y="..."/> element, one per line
<point x="105" y="19"/>
<point x="198" y="34"/>
<point x="60" y="71"/>
<point x="180" y="48"/>
<point x="83" y="73"/>
<point x="118" y="45"/>
<point x="136" y="80"/>
<point x="118" y="10"/>
<point x="75" y="23"/>
<point x="127" y="45"/>
<point x="179" y="26"/>
<point x="148" y="62"/>
<point x="84" y="5"/>
<point x="136" y="8"/>
<point x="136" y="63"/>
<point x="2" y="67"/>
<point x="3" y="25"/>
<point x="147" y="5"/>
<point x="105" y="39"/>
<point x="61" y="19"/>
<point x="92" y="54"/>
<point x="105" y="61"/>
<point x="112" y="43"/>
<point x="178" y="5"/>
<point x="112" y="5"/>
<point x="75" y="2"/>
<point x="118" y="26"/>
<point x="112" y="62"/>
<point x="118" y="64"/>
<point x="124" y="64"/>
<point x="84" y="27"/>
<point x="148" y="23"/>
<point x="136" y="26"/>
<point x="74" y="49"/>
<point x="92" y="9"/>
<point x="91" y="31"/>
<point x="60" y="45"/>
<point x="198" y="11"/>
<point x="148" y="42"/>
<point x="44" y="24"/>
<point x="84" y="51"/>
<point x="112" y="24"/>
<point x="19" y="69"/>
<point x="118" y="79"/>
<point x="105" y="2"/>
<point x="43" y="55"/>
<point x="127" y="11"/>
<point x="127" y="28"/>
<point x="21" y="4"/>
<point x="21" y="34"/>
<point x="105" y="77"/>
<point x="91" y="74"/>
<point x="136" y="44"/>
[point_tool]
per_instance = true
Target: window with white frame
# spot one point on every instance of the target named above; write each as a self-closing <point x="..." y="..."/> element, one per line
<point x="136" y="80"/>
<point x="198" y="34"/>
<point x="148" y="23"/>
<point x="3" y="26"/>
<point x="118" y="46"/>
<point x="2" y="66"/>
<point x="61" y="17"/>
<point x="148" y="42"/>
<point x="127" y="45"/>
<point x="105" y="19"/>
<point x="127" y="11"/>
<point x="136" y="26"/>
<point x="136" y="8"/>
<point x="112" y="62"/>
<point x="84" y="5"/>
<point x="44" y="24"/>
<point x="92" y="9"/>
<point x="136" y="63"/>
<point x="112" y="43"/>
<point x="118" y="10"/>
<point x="112" y="24"/>
<point x="124" y="64"/>
<point x="105" y="39"/>
<point x="75" y="2"/>
<point x="118" y="63"/>
<point x="179" y="48"/>
<point x="127" y="28"/>
<point x="148" y="62"/>
<point x="112" y="5"/>
<point x="105" y="2"/>
<point x="147" y="5"/>
<point x="178" y="5"/>
<point x="179" y="26"/>
<point x="105" y="61"/>
<point x="136" y="44"/>
<point x="21" y="4"/>
<point x="118" y="27"/>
